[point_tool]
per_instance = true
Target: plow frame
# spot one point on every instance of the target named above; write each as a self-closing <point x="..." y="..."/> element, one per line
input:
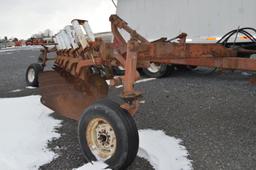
<point x="75" y="53"/>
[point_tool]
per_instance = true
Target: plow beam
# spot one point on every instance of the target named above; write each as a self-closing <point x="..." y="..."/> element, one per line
<point x="233" y="63"/>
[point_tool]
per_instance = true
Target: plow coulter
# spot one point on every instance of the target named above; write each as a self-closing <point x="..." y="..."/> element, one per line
<point x="77" y="88"/>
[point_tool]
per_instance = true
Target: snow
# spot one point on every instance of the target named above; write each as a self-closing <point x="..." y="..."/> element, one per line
<point x="246" y="73"/>
<point x="25" y="128"/>
<point x="162" y="151"/>
<point x="11" y="49"/>
<point x="8" y="49"/>
<point x="93" y="166"/>
<point x="139" y="81"/>
<point x="15" y="91"/>
<point x="145" y="80"/>
<point x="30" y="87"/>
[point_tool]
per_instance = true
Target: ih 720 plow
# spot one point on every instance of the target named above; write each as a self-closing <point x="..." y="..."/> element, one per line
<point x="77" y="88"/>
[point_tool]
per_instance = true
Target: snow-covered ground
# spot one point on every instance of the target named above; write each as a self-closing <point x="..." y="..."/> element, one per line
<point x="137" y="82"/>
<point x="26" y="127"/>
<point x="11" y="49"/>
<point x="163" y="152"/>
<point x="94" y="166"/>
<point x="15" y="91"/>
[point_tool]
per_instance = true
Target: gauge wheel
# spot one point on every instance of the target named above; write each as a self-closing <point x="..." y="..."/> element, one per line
<point x="108" y="133"/>
<point x="157" y="70"/>
<point x="32" y="73"/>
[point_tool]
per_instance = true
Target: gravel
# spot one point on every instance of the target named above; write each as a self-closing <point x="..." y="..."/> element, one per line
<point x="214" y="115"/>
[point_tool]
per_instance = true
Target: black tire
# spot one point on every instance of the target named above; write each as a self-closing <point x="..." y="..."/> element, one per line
<point x="163" y="71"/>
<point x="125" y="130"/>
<point x="117" y="71"/>
<point x="33" y="69"/>
<point x="191" y="68"/>
<point x="185" y="67"/>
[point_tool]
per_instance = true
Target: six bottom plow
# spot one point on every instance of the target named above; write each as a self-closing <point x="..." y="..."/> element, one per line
<point x="77" y="87"/>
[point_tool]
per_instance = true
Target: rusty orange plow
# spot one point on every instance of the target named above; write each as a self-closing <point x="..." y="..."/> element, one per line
<point x="77" y="88"/>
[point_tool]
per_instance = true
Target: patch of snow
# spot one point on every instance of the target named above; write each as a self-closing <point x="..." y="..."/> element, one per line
<point x="145" y="80"/>
<point x="246" y="74"/>
<point x="10" y="49"/>
<point x="30" y="87"/>
<point x="142" y="102"/>
<point x="93" y="166"/>
<point x="7" y="50"/>
<point x="34" y="47"/>
<point x="15" y="91"/>
<point x="162" y="151"/>
<point x="139" y="81"/>
<point x="25" y="128"/>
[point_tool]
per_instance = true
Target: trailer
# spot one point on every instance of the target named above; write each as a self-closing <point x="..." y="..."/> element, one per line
<point x="204" y="21"/>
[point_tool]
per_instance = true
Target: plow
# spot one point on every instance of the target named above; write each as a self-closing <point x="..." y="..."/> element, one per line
<point x="78" y="84"/>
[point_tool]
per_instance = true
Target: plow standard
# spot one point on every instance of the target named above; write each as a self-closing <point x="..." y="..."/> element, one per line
<point x="77" y="88"/>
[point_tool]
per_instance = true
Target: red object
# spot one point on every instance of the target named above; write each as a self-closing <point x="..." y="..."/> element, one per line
<point x="35" y="41"/>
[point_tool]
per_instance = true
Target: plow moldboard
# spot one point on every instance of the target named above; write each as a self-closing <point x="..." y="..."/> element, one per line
<point x="62" y="95"/>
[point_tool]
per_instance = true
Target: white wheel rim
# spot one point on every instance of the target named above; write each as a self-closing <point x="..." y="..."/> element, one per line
<point x="31" y="75"/>
<point x="153" y="68"/>
<point x="101" y="139"/>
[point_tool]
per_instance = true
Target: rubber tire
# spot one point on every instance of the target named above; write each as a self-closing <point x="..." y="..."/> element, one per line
<point x="37" y="68"/>
<point x="163" y="71"/>
<point x="185" y="67"/>
<point x="117" y="71"/>
<point x="124" y="127"/>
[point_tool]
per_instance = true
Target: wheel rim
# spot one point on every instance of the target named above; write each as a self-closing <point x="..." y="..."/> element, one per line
<point x="101" y="139"/>
<point x="154" y="68"/>
<point x="31" y="75"/>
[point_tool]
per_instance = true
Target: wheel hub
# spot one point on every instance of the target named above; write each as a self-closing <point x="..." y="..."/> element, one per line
<point x="101" y="139"/>
<point x="31" y="75"/>
<point x="103" y="134"/>
<point x="154" y="67"/>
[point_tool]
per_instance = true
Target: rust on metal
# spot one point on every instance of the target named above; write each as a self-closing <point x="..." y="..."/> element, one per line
<point x="69" y="96"/>
<point x="79" y="75"/>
